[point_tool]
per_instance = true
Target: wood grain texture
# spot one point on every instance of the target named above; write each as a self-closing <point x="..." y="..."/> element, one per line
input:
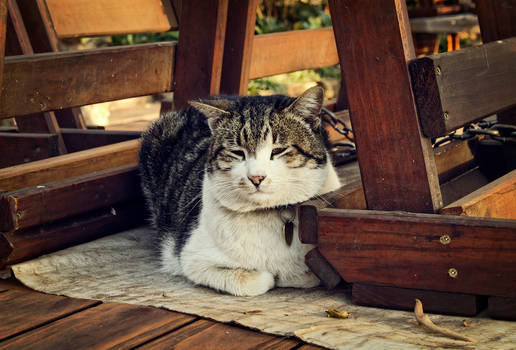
<point x="20" y="148"/>
<point x="405" y="250"/>
<point x="308" y="224"/>
<point x="82" y="139"/>
<point x="502" y="308"/>
<point x="50" y="81"/>
<point x="80" y="18"/>
<point x="273" y="53"/>
<point x="45" y="122"/>
<point x="22" y="310"/>
<point x="205" y="334"/>
<point x="38" y="205"/>
<point x="3" y="29"/>
<point x="455" y="88"/>
<point x="238" y="46"/>
<point x="109" y="325"/>
<point x="396" y="162"/>
<point x="322" y="269"/>
<point x="453" y="159"/>
<point x="69" y="165"/>
<point x="495" y="200"/>
<point x="200" y="50"/>
<point x="496" y="19"/>
<point x="35" y="241"/>
<point x="403" y="299"/>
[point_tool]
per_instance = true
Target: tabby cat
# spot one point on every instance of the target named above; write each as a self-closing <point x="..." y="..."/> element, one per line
<point x="221" y="180"/>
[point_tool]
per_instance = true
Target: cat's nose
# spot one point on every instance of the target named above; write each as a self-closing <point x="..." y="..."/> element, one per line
<point x="256" y="180"/>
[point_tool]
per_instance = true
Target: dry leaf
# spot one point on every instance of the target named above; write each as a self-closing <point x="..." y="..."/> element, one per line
<point x="425" y="321"/>
<point x="465" y="323"/>
<point x="337" y="314"/>
<point x="252" y="312"/>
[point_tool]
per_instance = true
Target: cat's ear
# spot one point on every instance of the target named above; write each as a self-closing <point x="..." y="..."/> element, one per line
<point x="308" y="106"/>
<point x="212" y="109"/>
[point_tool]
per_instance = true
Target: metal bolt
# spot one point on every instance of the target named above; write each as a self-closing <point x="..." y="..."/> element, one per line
<point x="438" y="70"/>
<point x="445" y="239"/>
<point x="445" y="116"/>
<point x="453" y="273"/>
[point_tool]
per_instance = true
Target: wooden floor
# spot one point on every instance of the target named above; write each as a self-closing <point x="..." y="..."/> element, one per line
<point x="33" y="320"/>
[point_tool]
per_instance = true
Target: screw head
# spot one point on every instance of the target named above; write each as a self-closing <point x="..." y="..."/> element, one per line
<point x="453" y="273"/>
<point x="438" y="70"/>
<point x="445" y="239"/>
<point x="446" y="116"/>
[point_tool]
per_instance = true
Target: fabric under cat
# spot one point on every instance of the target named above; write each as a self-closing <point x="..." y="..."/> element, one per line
<point x="221" y="178"/>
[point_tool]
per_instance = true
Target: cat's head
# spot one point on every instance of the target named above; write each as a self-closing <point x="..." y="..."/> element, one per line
<point x="266" y="151"/>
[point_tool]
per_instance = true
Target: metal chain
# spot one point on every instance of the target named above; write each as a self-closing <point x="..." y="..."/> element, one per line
<point x="342" y="151"/>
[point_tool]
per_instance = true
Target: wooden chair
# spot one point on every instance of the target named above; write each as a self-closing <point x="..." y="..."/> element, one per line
<point x="51" y="203"/>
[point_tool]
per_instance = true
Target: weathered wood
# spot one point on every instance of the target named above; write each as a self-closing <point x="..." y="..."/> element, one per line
<point x="56" y="200"/>
<point x="35" y="241"/>
<point x="421" y="251"/>
<point x="17" y="36"/>
<point x="3" y="29"/>
<point x="502" y="308"/>
<point x="220" y="336"/>
<point x="495" y="200"/>
<point x="81" y="18"/>
<point x="22" y="148"/>
<point x="106" y="326"/>
<point x="396" y="162"/>
<point x="455" y="88"/>
<point x="453" y="159"/>
<point x="44" y="82"/>
<point x="79" y="139"/>
<point x="322" y="269"/>
<point x="403" y="299"/>
<point x="308" y="224"/>
<point x="39" y="25"/>
<point x="272" y="53"/>
<point x="42" y="123"/>
<point x="200" y="50"/>
<point x="238" y="46"/>
<point x="5" y="249"/>
<point x="462" y="185"/>
<point x="22" y="311"/>
<point x="69" y="165"/>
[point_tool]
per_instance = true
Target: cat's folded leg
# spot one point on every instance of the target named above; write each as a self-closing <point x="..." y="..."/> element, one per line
<point x="236" y="281"/>
<point x="303" y="280"/>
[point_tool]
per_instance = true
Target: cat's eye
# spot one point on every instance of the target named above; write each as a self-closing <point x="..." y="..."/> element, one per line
<point x="238" y="153"/>
<point x="278" y="151"/>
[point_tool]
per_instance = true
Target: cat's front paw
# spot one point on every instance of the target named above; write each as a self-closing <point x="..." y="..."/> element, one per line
<point x="252" y="283"/>
<point x="304" y="280"/>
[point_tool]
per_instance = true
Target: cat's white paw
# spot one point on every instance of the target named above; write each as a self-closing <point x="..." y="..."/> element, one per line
<point x="251" y="283"/>
<point x="304" y="280"/>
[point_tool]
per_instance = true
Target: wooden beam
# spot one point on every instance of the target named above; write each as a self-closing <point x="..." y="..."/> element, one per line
<point x="495" y="200"/>
<point x="82" y="139"/>
<point x="35" y="241"/>
<point x="81" y="18"/>
<point x="403" y="299"/>
<point x="3" y="28"/>
<point x="51" y="81"/>
<point x="421" y="251"/>
<point x="23" y="148"/>
<point x="396" y="162"/>
<point x="274" y="53"/>
<point x="238" y="46"/>
<point x="320" y="267"/>
<point x="455" y="88"/>
<point x="42" y="172"/>
<point x="60" y="199"/>
<point x="453" y="159"/>
<point x="502" y="308"/>
<point x="200" y="50"/>
<point x="39" y="25"/>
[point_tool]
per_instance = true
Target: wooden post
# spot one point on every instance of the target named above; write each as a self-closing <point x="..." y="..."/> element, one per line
<point x="3" y="26"/>
<point x="397" y="164"/>
<point x="238" y="46"/>
<point x="200" y="50"/>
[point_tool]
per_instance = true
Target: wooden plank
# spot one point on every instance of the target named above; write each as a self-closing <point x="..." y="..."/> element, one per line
<point x="403" y="299"/>
<point x="219" y="336"/>
<point x="200" y="50"/>
<point x="69" y="165"/>
<point x="22" y="148"/>
<point x="455" y="88"/>
<point x="421" y="251"/>
<point x="109" y="325"/>
<point x="23" y="311"/>
<point x="80" y="139"/>
<point x="502" y="308"/>
<point x="453" y="159"/>
<point x="396" y="162"/>
<point x="81" y="18"/>
<point x="35" y="241"/>
<point x="42" y="123"/>
<point x="272" y="53"/>
<point x="3" y="29"/>
<point x="5" y="249"/>
<point x="50" y="81"/>
<point x="322" y="269"/>
<point x="56" y="200"/>
<point x="495" y="200"/>
<point x="39" y="25"/>
<point x="238" y="46"/>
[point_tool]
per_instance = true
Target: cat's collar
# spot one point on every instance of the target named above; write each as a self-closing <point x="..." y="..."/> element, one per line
<point x="287" y="215"/>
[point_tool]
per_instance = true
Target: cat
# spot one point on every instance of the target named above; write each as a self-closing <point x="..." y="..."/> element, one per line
<point x="220" y="180"/>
